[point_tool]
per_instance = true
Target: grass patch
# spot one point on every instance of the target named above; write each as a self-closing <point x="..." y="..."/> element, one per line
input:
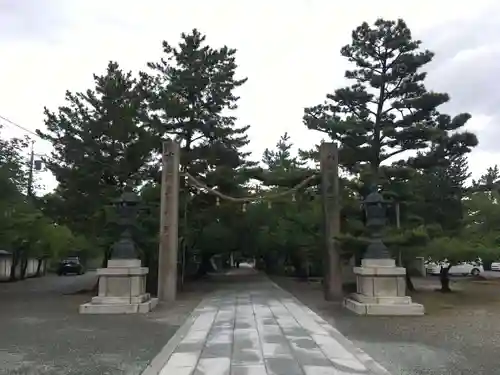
<point x="467" y="294"/>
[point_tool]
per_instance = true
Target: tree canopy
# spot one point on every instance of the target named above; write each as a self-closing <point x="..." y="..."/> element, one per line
<point x="25" y="231"/>
<point x="388" y="125"/>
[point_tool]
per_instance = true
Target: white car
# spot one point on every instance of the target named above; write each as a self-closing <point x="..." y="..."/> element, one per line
<point x="463" y="268"/>
<point x="495" y="266"/>
<point x="429" y="265"/>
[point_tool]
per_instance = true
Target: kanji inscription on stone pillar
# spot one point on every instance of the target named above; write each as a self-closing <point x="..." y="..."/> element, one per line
<point x="169" y="241"/>
<point x="331" y="215"/>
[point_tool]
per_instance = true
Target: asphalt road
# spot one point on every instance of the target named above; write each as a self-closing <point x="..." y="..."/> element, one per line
<point x="491" y="274"/>
<point x="52" y="284"/>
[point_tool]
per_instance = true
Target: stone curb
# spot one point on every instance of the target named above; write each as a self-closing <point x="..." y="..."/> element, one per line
<point x="158" y="362"/>
<point x="368" y="361"/>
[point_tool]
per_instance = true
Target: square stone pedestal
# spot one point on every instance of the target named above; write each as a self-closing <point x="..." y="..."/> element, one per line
<point x="381" y="290"/>
<point x="122" y="289"/>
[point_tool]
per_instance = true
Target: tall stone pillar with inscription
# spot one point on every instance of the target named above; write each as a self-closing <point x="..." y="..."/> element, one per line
<point x="169" y="242"/>
<point x="332" y="281"/>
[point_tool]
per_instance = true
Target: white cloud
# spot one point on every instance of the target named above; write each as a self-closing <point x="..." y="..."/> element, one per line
<point x="288" y="49"/>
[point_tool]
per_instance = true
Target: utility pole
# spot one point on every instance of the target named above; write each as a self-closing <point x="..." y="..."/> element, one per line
<point x="30" y="171"/>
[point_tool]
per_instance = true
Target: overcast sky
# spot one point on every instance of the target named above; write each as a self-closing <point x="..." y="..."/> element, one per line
<point x="289" y="50"/>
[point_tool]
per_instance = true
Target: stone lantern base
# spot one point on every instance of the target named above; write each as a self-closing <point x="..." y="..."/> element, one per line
<point x="122" y="289"/>
<point x="381" y="290"/>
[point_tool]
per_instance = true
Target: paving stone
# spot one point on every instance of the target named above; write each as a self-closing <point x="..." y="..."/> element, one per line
<point x="280" y="350"/>
<point x="212" y="366"/>
<point x="170" y="369"/>
<point x="220" y="336"/>
<point x="245" y="324"/>
<point x="217" y="350"/>
<point x="351" y="365"/>
<point x="184" y="359"/>
<point x="321" y="370"/>
<point x="332" y="348"/>
<point x="249" y="370"/>
<point x="311" y="358"/>
<point x="194" y="337"/>
<point x="261" y="332"/>
<point x="274" y="338"/>
<point x="247" y="356"/>
<point x="283" y="366"/>
<point x="295" y="331"/>
<point x="189" y="347"/>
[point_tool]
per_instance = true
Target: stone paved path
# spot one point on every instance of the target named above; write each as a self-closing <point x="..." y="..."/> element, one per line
<point x="259" y="329"/>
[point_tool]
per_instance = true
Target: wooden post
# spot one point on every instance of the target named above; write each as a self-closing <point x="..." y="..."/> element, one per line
<point x="169" y="241"/>
<point x="331" y="215"/>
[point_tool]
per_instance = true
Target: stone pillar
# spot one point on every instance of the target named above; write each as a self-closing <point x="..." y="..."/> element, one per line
<point x="331" y="217"/>
<point x="169" y="241"/>
<point x="381" y="290"/>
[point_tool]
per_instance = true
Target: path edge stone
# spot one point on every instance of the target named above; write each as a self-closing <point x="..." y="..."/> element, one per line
<point x="365" y="358"/>
<point x="160" y="360"/>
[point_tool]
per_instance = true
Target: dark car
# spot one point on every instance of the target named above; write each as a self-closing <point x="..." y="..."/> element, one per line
<point x="70" y="265"/>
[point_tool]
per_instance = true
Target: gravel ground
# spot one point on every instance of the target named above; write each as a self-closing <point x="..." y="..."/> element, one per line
<point x="459" y="335"/>
<point x="42" y="333"/>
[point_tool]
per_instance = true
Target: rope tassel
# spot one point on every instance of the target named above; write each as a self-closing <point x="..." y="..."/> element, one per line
<point x="244" y="207"/>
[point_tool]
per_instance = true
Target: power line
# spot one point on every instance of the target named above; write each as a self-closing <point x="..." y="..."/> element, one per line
<point x="10" y="122"/>
<point x="19" y="126"/>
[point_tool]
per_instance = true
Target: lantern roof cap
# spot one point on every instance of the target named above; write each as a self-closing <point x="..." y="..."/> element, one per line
<point x="374" y="197"/>
<point x="127" y="196"/>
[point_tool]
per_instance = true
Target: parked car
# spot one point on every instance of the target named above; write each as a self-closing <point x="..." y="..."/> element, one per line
<point x="462" y="268"/>
<point x="70" y="265"/>
<point x="430" y="265"/>
<point x="495" y="266"/>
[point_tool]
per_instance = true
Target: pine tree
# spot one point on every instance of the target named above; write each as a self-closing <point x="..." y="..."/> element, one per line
<point x="192" y="94"/>
<point x="442" y="191"/>
<point x="281" y="158"/>
<point x="99" y="147"/>
<point x="289" y="231"/>
<point x="13" y="171"/>
<point x="488" y="181"/>
<point x="387" y="110"/>
<point x="190" y="97"/>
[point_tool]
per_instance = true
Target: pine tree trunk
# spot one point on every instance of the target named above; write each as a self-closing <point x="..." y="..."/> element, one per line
<point x="39" y="267"/>
<point x="205" y="265"/>
<point x="24" y="266"/>
<point x="445" y="279"/>
<point x="409" y="282"/>
<point x="107" y="255"/>
<point x="13" y="265"/>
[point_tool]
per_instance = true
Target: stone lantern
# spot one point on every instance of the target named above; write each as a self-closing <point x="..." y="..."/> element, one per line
<point x="122" y="284"/>
<point x="381" y="286"/>
<point x="126" y="208"/>
<point x="376" y="215"/>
